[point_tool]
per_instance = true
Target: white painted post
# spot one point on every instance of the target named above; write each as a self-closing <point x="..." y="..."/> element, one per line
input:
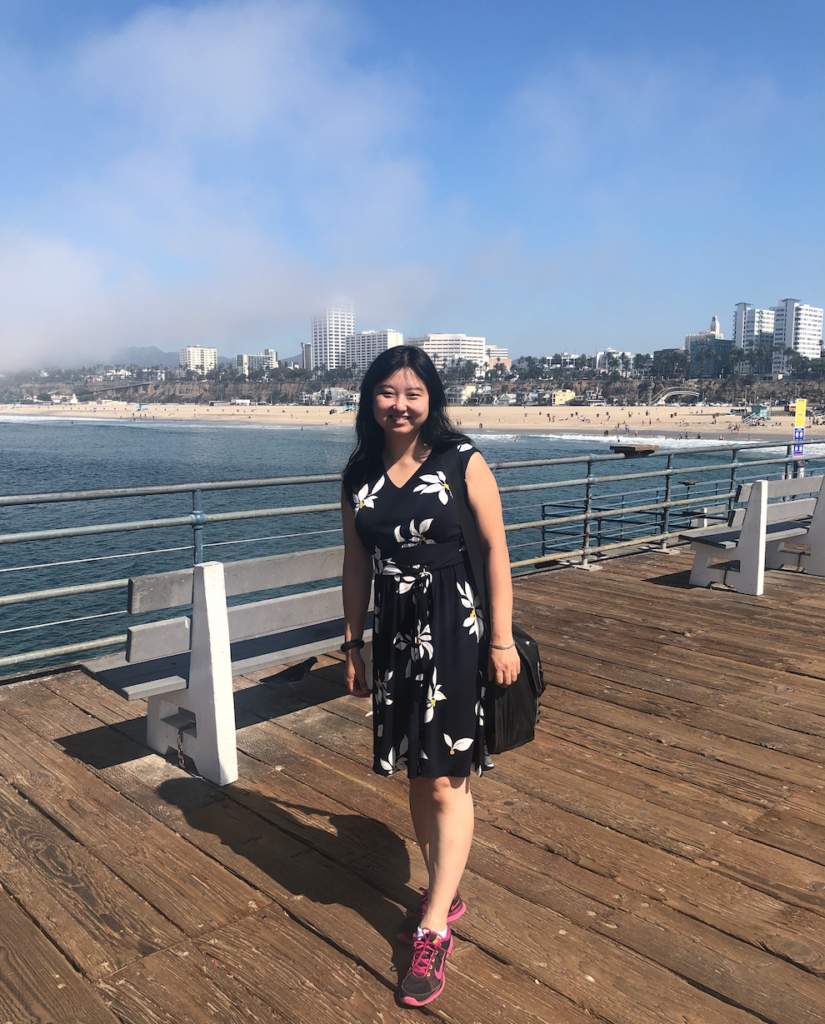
<point x="211" y="743"/>
<point x="751" y="548"/>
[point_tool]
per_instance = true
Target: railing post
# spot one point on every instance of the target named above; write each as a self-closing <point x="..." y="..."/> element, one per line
<point x="666" y="510"/>
<point x="733" y="467"/>
<point x="199" y="520"/>
<point x="588" y="508"/>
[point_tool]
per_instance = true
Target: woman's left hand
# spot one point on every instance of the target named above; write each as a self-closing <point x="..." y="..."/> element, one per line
<point x="504" y="666"/>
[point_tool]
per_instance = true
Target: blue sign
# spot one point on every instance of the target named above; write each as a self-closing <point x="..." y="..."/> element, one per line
<point x="798" y="451"/>
<point x="799" y="433"/>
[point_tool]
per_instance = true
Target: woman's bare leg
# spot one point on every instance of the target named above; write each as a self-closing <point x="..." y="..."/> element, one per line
<point x="442" y="814"/>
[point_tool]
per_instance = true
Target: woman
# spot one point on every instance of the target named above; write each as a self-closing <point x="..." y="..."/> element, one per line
<point x="429" y="635"/>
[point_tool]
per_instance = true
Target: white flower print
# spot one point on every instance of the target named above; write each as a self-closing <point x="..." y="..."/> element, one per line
<point x="396" y="760"/>
<point x="385" y="566"/>
<point x="480" y="708"/>
<point x="434" y="695"/>
<point x="463" y="744"/>
<point x="435" y="483"/>
<point x="464" y="447"/>
<point x="475" y="620"/>
<point x="418" y="534"/>
<point x="365" y="498"/>
<point x="381" y="695"/>
<point x="420" y="644"/>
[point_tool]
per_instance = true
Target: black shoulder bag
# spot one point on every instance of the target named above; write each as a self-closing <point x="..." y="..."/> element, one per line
<point x="511" y="712"/>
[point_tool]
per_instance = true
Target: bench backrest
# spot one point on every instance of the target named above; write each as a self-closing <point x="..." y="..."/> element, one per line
<point x="172" y="589"/>
<point x="780" y="508"/>
<point x="778" y="489"/>
<point x="260" y="618"/>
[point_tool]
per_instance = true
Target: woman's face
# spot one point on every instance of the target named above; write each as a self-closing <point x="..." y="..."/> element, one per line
<point x="401" y="404"/>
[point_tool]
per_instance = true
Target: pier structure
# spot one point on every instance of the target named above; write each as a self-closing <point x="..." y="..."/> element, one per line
<point x="656" y="855"/>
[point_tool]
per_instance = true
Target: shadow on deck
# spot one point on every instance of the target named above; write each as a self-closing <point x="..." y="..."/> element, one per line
<point x="657" y="855"/>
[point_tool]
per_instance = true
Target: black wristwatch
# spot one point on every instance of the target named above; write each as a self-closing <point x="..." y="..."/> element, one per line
<point x="349" y="645"/>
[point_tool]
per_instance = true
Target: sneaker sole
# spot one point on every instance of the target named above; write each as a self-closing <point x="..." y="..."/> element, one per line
<point x="407" y="938"/>
<point x="412" y="1001"/>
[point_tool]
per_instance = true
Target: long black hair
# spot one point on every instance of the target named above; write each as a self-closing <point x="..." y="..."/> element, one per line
<point x="437" y="432"/>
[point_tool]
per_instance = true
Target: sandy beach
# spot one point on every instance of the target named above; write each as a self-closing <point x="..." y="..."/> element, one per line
<point x="710" y="423"/>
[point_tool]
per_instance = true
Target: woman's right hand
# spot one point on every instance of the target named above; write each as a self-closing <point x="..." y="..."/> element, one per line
<point x="356" y="674"/>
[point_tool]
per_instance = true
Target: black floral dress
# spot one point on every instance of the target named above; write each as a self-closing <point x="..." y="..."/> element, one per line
<point x="428" y="680"/>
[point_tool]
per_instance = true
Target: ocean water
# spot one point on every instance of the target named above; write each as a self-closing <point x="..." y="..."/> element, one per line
<point x="57" y="455"/>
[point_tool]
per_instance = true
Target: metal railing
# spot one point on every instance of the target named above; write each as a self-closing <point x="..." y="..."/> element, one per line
<point x="607" y="512"/>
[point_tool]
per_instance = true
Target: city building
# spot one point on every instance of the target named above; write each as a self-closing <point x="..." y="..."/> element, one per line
<point x="447" y="349"/>
<point x="560" y="396"/>
<point x="361" y="347"/>
<point x="198" y="359"/>
<point x="753" y="331"/>
<point x="330" y="330"/>
<point x="603" y="359"/>
<point x="714" y="332"/>
<point x="797" y="327"/>
<point x="306" y="355"/>
<point x="709" y="355"/>
<point x="266" y="360"/>
<point x="457" y="394"/>
<point x="496" y="355"/>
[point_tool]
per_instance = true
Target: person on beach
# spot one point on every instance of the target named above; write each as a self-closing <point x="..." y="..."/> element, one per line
<point x="433" y="652"/>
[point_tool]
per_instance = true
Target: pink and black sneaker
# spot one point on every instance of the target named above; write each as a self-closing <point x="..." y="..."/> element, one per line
<point x="425" y="978"/>
<point x="411" y="923"/>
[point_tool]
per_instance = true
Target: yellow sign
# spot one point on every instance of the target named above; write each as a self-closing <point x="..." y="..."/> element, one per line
<point x="799" y="418"/>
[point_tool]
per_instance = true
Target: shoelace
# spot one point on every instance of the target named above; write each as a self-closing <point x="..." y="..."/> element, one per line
<point x="425" y="953"/>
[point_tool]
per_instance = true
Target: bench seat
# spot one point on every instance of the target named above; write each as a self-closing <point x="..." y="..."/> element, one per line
<point x="137" y="680"/>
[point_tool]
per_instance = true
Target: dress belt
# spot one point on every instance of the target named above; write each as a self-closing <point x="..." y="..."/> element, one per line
<point x="428" y="556"/>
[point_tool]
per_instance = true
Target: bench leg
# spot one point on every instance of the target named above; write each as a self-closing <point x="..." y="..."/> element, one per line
<point x="702" y="573"/>
<point x="210" y="742"/>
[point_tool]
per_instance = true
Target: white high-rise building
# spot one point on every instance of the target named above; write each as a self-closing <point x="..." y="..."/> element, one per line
<point x="266" y="360"/>
<point x="362" y="347"/>
<point x="752" y="328"/>
<point x="447" y="349"/>
<point x="198" y="359"/>
<point x="798" y="327"/>
<point x="330" y="331"/>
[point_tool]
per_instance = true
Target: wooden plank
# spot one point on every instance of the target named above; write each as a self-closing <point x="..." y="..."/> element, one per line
<point x="614" y="743"/>
<point x="783" y="829"/>
<point x="39" y="986"/>
<point x="170" y="589"/>
<point x="260" y="618"/>
<point x="98" y="922"/>
<point x="659" y="728"/>
<point x="158" y="639"/>
<point x="187" y="887"/>
<point x="793" y="879"/>
<point x="185" y="986"/>
<point x="283" y="570"/>
<point x="160" y="590"/>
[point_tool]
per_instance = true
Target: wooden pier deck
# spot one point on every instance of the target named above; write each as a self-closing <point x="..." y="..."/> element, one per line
<point x="657" y="855"/>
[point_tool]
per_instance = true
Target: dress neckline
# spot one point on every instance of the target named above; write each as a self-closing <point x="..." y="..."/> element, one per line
<point x="412" y="476"/>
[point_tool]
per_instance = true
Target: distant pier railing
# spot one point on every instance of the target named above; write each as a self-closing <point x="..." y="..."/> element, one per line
<point x="58" y="549"/>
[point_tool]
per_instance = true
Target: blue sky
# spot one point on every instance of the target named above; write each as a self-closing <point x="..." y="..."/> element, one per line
<point x="552" y="175"/>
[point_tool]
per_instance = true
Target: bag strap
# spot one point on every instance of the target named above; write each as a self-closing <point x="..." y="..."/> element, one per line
<point x="457" y="481"/>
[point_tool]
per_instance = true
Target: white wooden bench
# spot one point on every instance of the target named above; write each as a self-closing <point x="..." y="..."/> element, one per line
<point x="184" y="666"/>
<point x="774" y="513"/>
